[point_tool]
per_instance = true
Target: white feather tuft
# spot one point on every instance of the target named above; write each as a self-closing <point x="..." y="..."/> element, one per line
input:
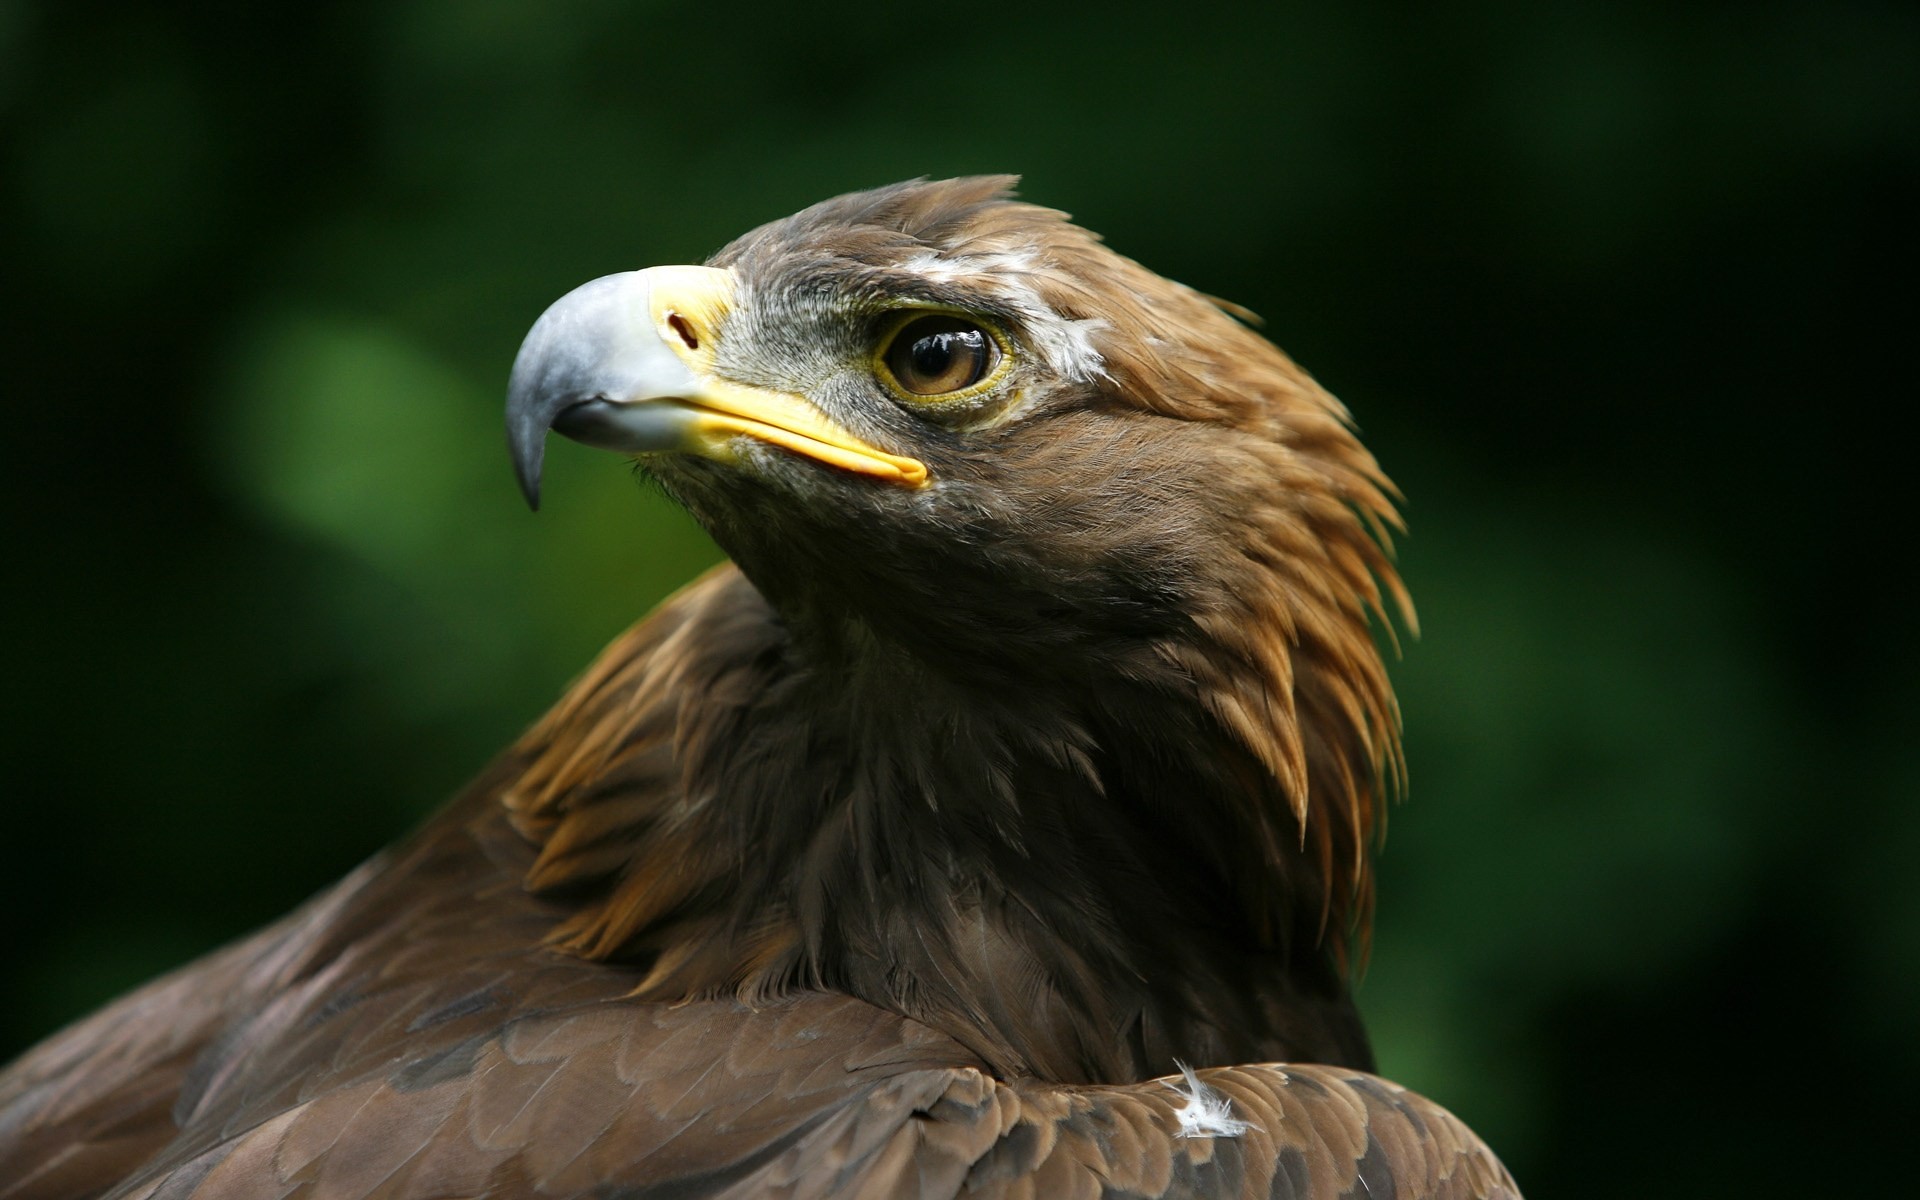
<point x="993" y="264"/>
<point x="1068" y="344"/>
<point x="1207" y="1113"/>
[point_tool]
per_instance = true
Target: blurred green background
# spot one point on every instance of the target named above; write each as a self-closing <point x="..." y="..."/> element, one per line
<point x="1614" y="290"/>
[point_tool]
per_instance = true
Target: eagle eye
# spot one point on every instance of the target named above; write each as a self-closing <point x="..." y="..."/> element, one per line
<point x="938" y="355"/>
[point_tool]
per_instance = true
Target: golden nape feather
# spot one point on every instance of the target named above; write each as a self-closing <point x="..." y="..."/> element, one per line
<point x="998" y="822"/>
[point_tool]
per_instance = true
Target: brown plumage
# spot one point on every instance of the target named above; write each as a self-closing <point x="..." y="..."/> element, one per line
<point x="1032" y="748"/>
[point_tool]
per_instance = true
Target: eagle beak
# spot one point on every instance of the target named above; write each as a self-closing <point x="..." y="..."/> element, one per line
<point x="625" y="363"/>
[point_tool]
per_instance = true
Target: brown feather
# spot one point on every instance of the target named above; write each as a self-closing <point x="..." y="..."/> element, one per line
<point x="899" y="860"/>
<point x="405" y="1036"/>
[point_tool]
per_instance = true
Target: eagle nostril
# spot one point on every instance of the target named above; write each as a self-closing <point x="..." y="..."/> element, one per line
<point x="684" y="328"/>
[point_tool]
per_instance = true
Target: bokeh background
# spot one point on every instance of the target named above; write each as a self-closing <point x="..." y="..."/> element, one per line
<point x="1620" y="294"/>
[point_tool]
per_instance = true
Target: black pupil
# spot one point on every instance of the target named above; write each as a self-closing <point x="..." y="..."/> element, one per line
<point x="935" y="355"/>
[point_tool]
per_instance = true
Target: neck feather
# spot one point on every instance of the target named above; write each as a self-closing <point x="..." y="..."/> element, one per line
<point x="1081" y="883"/>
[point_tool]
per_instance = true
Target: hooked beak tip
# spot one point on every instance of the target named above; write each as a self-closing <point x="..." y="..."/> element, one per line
<point x="527" y="445"/>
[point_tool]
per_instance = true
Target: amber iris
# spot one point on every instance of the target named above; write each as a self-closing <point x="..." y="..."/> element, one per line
<point x="937" y="355"/>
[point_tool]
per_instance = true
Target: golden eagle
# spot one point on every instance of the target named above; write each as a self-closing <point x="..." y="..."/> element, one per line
<point x="1015" y="782"/>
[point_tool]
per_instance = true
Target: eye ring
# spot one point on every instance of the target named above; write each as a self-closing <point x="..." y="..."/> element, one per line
<point x="939" y="357"/>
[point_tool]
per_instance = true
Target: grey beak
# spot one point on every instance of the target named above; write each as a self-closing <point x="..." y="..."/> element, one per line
<point x="583" y="371"/>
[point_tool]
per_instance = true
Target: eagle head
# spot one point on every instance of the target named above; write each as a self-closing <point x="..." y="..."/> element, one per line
<point x="1063" y="553"/>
